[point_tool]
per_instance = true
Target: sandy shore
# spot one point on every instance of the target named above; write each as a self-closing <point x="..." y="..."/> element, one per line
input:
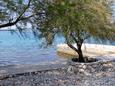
<point x="90" y="50"/>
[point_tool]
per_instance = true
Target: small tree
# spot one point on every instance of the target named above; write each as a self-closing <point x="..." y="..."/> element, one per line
<point x="77" y="20"/>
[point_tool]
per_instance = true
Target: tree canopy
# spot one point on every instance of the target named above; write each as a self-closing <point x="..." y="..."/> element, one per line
<point x="19" y="12"/>
<point x="77" y="20"/>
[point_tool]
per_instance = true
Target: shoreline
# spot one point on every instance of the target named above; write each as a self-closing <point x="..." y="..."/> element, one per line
<point x="91" y="50"/>
<point x="95" y="74"/>
<point x="67" y="73"/>
<point x="14" y="70"/>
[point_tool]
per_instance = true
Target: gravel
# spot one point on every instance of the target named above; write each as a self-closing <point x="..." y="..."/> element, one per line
<point x="94" y="74"/>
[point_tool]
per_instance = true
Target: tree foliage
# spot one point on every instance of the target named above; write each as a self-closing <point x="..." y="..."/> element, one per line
<point x="77" y="20"/>
<point x="19" y="12"/>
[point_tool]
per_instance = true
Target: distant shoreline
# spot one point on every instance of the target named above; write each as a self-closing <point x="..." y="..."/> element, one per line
<point x="6" y="29"/>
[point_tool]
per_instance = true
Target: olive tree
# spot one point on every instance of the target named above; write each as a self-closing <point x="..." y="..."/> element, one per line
<point x="77" y="20"/>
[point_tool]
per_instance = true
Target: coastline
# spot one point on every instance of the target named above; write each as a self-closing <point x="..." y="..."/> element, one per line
<point x="103" y="52"/>
<point x="96" y="74"/>
<point x="100" y="73"/>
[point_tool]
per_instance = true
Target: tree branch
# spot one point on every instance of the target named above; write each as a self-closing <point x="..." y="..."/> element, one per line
<point x="24" y="10"/>
<point x="78" y="41"/>
<point x="73" y="37"/>
<point x="24" y="18"/>
<point x="16" y="21"/>
<point x="18" y="18"/>
<point x="71" y="46"/>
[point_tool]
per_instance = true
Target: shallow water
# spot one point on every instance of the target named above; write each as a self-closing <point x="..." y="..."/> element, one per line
<point x="15" y="49"/>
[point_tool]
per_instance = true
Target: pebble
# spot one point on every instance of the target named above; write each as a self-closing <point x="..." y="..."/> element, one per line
<point x="87" y="75"/>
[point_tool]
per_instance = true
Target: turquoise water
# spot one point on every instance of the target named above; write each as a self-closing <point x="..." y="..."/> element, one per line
<point x="15" y="49"/>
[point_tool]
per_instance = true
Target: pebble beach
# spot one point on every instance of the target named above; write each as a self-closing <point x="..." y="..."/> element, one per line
<point x="100" y="73"/>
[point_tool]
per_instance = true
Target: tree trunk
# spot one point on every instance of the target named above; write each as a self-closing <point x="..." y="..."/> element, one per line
<point x="78" y="51"/>
<point x="80" y="56"/>
<point x="79" y="43"/>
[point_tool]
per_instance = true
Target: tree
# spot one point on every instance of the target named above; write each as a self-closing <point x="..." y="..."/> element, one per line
<point x="19" y="12"/>
<point x="77" y="20"/>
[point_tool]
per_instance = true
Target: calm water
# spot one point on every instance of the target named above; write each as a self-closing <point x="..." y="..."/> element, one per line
<point x="17" y="50"/>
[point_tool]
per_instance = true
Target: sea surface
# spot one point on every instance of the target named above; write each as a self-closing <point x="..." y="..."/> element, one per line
<point x="16" y="49"/>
